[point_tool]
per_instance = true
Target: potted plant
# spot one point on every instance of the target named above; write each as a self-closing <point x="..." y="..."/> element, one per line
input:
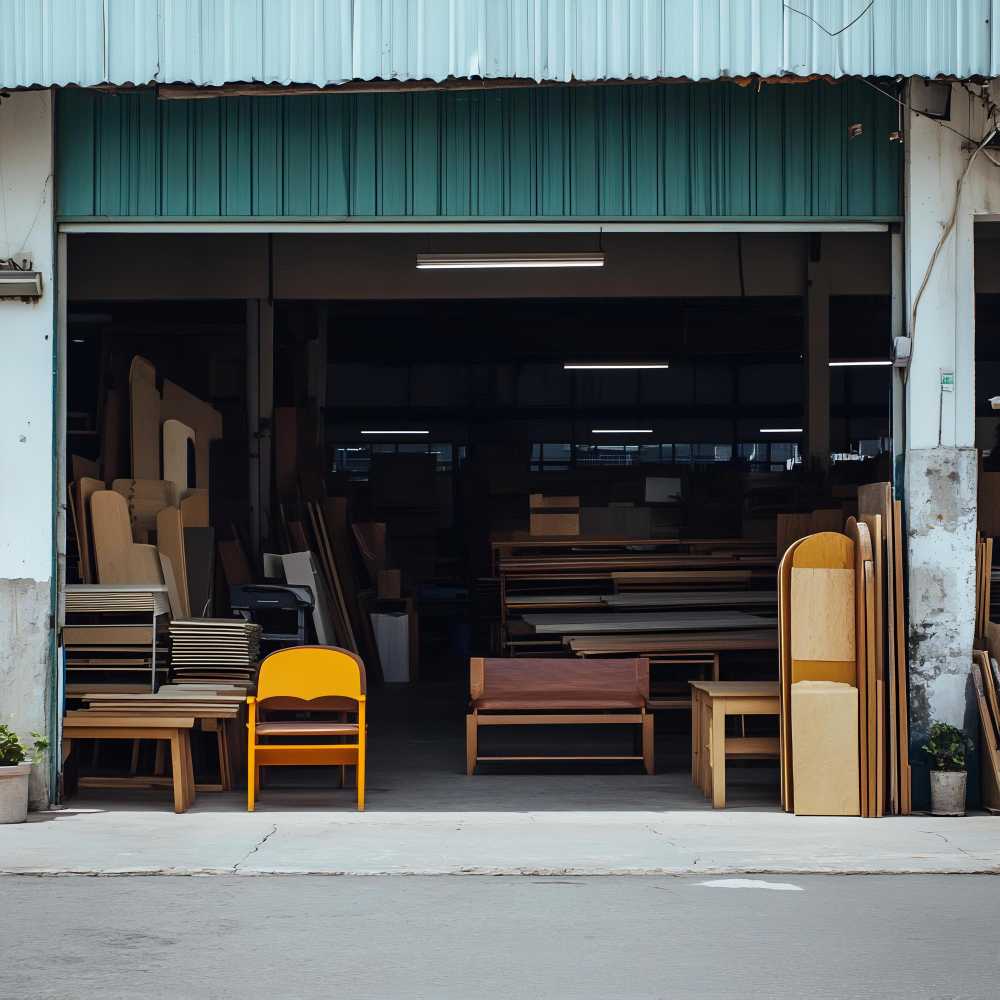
<point x="15" y="770"/>
<point x="948" y="746"/>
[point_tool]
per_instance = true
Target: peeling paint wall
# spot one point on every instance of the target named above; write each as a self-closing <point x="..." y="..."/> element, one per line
<point x="27" y="335"/>
<point x="941" y="463"/>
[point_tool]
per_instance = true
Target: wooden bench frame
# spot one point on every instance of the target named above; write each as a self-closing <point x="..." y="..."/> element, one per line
<point x="476" y="718"/>
<point x="176" y="730"/>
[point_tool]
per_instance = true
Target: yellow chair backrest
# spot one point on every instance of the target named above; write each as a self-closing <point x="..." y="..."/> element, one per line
<point x="310" y="672"/>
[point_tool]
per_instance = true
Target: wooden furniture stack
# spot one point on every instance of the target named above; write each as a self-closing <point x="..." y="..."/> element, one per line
<point x="678" y="603"/>
<point x="213" y="651"/>
<point x="111" y="636"/>
<point x="841" y="628"/>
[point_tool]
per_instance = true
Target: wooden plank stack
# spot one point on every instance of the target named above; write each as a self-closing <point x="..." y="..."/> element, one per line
<point x="841" y="621"/>
<point x="214" y="650"/>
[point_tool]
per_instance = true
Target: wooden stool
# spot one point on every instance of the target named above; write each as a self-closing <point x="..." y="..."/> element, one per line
<point x="711" y="702"/>
<point x="110" y="727"/>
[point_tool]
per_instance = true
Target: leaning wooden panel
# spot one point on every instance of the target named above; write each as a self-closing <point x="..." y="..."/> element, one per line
<point x="989" y="770"/>
<point x="785" y="671"/>
<point x="170" y="541"/>
<point x="902" y="702"/>
<point x="145" y="419"/>
<point x="113" y="547"/>
<point x="871" y="689"/>
<point x="989" y="688"/>
<point x="825" y="749"/>
<point x="862" y="552"/>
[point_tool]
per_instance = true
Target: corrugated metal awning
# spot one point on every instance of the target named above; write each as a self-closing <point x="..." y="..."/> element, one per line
<point x="212" y="43"/>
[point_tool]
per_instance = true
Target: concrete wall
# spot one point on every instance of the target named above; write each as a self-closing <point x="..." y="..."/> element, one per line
<point x="26" y="422"/>
<point x="941" y="460"/>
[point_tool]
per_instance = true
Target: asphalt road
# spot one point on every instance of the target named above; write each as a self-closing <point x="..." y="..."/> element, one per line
<point x="923" y="936"/>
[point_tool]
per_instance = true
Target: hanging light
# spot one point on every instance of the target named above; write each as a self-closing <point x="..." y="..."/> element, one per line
<point x="429" y="261"/>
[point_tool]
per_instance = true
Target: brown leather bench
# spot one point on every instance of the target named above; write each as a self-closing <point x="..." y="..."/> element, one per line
<point x="519" y="692"/>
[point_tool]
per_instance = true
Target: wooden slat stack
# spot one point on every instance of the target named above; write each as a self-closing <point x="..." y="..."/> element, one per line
<point x="214" y="650"/>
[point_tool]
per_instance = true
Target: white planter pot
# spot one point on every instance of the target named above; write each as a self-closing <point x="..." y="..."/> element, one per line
<point x="14" y="793"/>
<point x="948" y="793"/>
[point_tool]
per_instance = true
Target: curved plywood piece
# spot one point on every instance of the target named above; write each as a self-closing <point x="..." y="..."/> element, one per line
<point x="178" y="454"/>
<point x="206" y="422"/>
<point x="785" y="672"/>
<point x="113" y="554"/>
<point x="145" y="499"/>
<point x="145" y="419"/>
<point x="194" y="508"/>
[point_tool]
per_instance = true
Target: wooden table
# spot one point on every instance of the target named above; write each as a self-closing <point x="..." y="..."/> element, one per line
<point x="711" y="702"/>
<point x="176" y="730"/>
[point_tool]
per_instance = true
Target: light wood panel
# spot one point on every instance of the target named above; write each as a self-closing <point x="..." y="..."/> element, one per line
<point x="825" y="749"/>
<point x="170" y="541"/>
<point x="113" y="553"/>
<point x="145" y="419"/>
<point x="178" y="454"/>
<point x="194" y="508"/>
<point x="822" y="608"/>
<point x="145" y="499"/>
<point x="179" y="404"/>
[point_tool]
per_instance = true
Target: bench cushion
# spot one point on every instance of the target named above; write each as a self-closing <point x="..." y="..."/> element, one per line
<point x="560" y="684"/>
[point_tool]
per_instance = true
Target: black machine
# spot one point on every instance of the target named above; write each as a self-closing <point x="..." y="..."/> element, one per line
<point x="279" y="608"/>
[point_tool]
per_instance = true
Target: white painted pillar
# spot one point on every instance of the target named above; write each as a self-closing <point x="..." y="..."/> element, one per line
<point x="940" y="459"/>
<point x="27" y="449"/>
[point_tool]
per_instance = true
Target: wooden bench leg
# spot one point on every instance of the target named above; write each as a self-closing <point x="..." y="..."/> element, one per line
<point x="471" y="742"/>
<point x="160" y="763"/>
<point x="718" y="755"/>
<point x="188" y="765"/>
<point x="178" y="766"/>
<point x="647" y="742"/>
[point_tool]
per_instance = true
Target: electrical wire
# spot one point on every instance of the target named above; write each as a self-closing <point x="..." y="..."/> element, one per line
<point x="832" y="34"/>
<point x="947" y="231"/>
<point x="936" y="121"/>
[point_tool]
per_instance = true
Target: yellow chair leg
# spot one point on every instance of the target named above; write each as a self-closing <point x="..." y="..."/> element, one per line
<point x="362" y="747"/>
<point x="251" y="779"/>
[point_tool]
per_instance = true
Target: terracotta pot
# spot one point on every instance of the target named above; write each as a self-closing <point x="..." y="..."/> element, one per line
<point x="14" y="793"/>
<point x="948" y="793"/>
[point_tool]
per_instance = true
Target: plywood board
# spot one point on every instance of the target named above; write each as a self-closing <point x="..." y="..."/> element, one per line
<point x="825" y="749"/>
<point x="112" y="448"/>
<point x="199" y="551"/>
<point x="785" y="673"/>
<point x="194" y="508"/>
<point x="167" y="569"/>
<point x="84" y="489"/>
<point x="871" y="689"/>
<point x="988" y="504"/>
<point x="301" y="569"/>
<point x="147" y="561"/>
<point x="145" y="419"/>
<point x="113" y="553"/>
<point x="178" y="454"/>
<point x="84" y="468"/>
<point x="170" y="541"/>
<point x="858" y="533"/>
<point x="989" y="770"/>
<point x="179" y="404"/>
<point x="989" y="688"/>
<point x="234" y="564"/>
<point x="145" y="499"/>
<point x="822" y="608"/>
<point x="902" y="701"/>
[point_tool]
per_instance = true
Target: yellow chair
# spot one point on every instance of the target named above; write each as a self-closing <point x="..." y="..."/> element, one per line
<point x="310" y="678"/>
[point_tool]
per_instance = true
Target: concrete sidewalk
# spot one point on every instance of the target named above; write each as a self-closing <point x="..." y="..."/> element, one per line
<point x="294" y="836"/>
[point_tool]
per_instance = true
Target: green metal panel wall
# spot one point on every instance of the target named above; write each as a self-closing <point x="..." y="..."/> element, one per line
<point x="634" y="151"/>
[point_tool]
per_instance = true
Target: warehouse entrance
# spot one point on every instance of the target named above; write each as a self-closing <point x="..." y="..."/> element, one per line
<point x="542" y="464"/>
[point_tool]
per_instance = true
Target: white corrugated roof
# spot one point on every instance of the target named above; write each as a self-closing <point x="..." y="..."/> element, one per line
<point x="322" y="42"/>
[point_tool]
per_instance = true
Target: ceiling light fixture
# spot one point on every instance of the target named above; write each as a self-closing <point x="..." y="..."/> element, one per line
<point x="859" y="364"/>
<point x="615" y="430"/>
<point x="781" y="430"/>
<point x="395" y="432"/>
<point x="428" y="261"/>
<point x="620" y="366"/>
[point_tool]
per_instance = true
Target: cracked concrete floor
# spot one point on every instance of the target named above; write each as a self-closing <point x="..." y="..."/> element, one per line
<point x="425" y="816"/>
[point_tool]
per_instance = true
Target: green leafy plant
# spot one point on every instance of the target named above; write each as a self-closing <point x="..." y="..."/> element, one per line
<point x="13" y="751"/>
<point x="948" y="746"/>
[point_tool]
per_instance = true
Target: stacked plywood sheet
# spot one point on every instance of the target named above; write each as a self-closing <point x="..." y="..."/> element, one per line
<point x="214" y="650"/>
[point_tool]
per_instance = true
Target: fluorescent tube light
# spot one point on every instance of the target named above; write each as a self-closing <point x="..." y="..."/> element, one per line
<point x="629" y="366"/>
<point x="781" y="430"/>
<point x="426" y="261"/>
<point x="615" y="430"/>
<point x="395" y="432"/>
<point x="858" y="364"/>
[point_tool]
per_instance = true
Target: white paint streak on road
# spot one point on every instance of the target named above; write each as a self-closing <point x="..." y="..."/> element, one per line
<point x="750" y="883"/>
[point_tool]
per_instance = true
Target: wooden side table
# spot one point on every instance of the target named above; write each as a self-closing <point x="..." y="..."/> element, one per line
<point x="711" y="702"/>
